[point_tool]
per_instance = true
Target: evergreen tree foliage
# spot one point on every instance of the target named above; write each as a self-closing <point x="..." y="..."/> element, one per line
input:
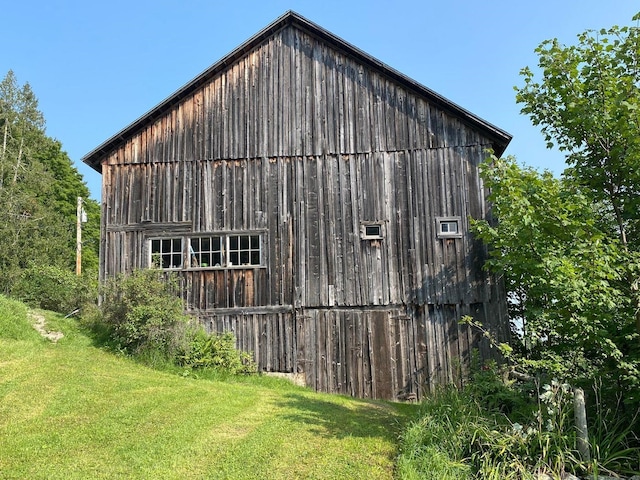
<point x="39" y="187"/>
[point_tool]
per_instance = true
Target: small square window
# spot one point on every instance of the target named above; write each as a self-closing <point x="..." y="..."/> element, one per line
<point x="449" y="227"/>
<point x="371" y="231"/>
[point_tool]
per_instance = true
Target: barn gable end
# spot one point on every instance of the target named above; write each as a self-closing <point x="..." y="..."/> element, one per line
<point x="316" y="203"/>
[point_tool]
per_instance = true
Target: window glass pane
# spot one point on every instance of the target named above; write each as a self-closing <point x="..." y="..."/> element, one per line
<point x="166" y="245"/>
<point x="205" y="244"/>
<point x="255" y="242"/>
<point x="255" y="258"/>
<point x="449" y="227"/>
<point x="155" y="246"/>
<point x="233" y="243"/>
<point x="244" y="242"/>
<point x="233" y="258"/>
<point x="372" y="230"/>
<point x="216" y="243"/>
<point x="244" y="257"/>
<point x="216" y="259"/>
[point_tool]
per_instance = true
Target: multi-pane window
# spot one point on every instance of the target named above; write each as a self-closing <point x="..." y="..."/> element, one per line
<point x="243" y="250"/>
<point x="167" y="252"/>
<point x="448" y="227"/>
<point x="206" y="252"/>
<point x="212" y="251"/>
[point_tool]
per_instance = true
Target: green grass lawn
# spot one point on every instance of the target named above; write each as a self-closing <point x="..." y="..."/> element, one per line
<point x="71" y="410"/>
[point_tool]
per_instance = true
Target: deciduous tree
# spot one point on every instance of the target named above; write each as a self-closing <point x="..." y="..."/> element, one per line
<point x="38" y="191"/>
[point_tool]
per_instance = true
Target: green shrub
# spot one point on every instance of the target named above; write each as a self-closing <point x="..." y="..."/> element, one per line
<point x="468" y="431"/>
<point x="53" y="288"/>
<point x="216" y="351"/>
<point x="487" y="387"/>
<point x="144" y="315"/>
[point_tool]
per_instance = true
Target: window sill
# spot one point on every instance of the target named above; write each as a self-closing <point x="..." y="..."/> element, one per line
<point x="231" y="267"/>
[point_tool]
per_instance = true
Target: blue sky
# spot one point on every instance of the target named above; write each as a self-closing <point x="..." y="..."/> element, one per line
<point x="97" y="66"/>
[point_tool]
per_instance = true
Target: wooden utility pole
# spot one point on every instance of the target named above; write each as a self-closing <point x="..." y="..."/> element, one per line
<point x="580" y="414"/>
<point x="79" y="237"/>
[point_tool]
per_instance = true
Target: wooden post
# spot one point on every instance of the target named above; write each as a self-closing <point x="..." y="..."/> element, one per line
<point x="79" y="237"/>
<point x="580" y="414"/>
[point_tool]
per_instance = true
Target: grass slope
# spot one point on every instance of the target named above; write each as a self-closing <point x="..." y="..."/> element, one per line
<point x="70" y="410"/>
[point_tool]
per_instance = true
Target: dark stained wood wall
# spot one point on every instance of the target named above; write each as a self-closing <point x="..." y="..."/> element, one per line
<point x="301" y="143"/>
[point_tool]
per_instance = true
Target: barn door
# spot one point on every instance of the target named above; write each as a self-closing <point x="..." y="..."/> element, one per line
<point x="380" y="357"/>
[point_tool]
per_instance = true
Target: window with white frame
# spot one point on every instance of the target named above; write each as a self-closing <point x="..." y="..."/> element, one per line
<point x="166" y="252"/>
<point x="371" y="231"/>
<point x="208" y="251"/>
<point x="449" y="227"/>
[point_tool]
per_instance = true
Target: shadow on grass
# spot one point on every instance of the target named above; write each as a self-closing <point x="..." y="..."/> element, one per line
<point x="359" y="419"/>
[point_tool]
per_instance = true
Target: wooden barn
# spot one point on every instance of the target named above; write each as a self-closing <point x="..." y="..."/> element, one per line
<point x="315" y="202"/>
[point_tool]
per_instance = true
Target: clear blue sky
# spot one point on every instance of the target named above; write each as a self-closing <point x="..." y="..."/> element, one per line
<point x="97" y="66"/>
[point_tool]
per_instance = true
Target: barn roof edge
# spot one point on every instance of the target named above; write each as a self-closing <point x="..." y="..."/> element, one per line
<point x="500" y="137"/>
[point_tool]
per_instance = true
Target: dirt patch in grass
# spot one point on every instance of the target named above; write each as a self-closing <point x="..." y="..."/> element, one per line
<point x="40" y="324"/>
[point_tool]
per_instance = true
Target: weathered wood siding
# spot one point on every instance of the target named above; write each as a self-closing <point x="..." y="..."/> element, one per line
<point x="299" y="142"/>
<point x="311" y="209"/>
<point x="379" y="353"/>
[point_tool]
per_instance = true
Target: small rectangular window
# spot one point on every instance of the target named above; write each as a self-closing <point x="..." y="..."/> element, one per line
<point x="449" y="227"/>
<point x="371" y="231"/>
<point x="166" y="252"/>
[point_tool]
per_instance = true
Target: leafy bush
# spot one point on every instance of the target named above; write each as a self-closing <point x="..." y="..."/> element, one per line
<point x="141" y="315"/>
<point x="54" y="288"/>
<point x="144" y="314"/>
<point x="491" y="392"/>
<point x="216" y="351"/>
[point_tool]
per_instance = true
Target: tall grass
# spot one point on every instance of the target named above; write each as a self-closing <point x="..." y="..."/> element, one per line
<point x="493" y="431"/>
<point x="437" y="445"/>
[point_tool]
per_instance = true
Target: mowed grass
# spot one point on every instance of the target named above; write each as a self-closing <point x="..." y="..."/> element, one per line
<point x="71" y="410"/>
